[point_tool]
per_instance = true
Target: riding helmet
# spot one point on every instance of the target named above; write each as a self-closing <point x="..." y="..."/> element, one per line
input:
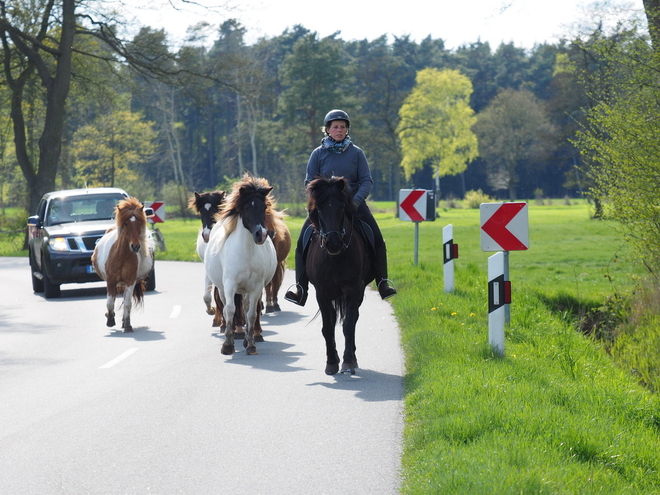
<point x="336" y="114"/>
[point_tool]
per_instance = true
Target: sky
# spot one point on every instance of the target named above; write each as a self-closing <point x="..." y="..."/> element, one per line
<point x="457" y="22"/>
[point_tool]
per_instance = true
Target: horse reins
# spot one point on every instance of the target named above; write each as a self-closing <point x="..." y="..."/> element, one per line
<point x="323" y="234"/>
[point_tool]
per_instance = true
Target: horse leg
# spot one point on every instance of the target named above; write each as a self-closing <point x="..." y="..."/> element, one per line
<point x="218" y="320"/>
<point x="208" y="288"/>
<point x="350" y="322"/>
<point x="253" y="308"/>
<point x="329" y="316"/>
<point x="273" y="288"/>
<point x="258" y="335"/>
<point x="228" y="314"/>
<point x="110" y="305"/>
<point x="128" y="305"/>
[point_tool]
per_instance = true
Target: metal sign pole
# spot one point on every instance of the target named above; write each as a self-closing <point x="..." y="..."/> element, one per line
<point x="416" y="240"/>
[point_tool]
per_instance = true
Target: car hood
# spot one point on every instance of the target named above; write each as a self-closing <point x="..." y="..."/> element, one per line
<point x="80" y="228"/>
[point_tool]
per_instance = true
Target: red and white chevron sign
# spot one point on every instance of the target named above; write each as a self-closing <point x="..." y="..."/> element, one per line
<point x="159" y="211"/>
<point x="413" y="205"/>
<point x="504" y="226"/>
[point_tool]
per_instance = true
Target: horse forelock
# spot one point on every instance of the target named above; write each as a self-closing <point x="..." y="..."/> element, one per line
<point x="322" y="190"/>
<point x="129" y="211"/>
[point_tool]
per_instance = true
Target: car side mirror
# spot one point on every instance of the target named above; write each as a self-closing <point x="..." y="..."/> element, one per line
<point x="149" y="212"/>
<point x="34" y="221"/>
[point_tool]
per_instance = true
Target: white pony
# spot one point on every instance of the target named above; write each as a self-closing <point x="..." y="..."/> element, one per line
<point x="240" y="257"/>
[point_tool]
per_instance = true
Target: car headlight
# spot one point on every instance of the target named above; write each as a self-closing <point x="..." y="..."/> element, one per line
<point x="59" y="244"/>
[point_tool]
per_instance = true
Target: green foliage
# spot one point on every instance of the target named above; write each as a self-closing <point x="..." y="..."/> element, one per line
<point x="473" y="199"/>
<point x="436" y="121"/>
<point x="109" y="151"/>
<point x="513" y="129"/>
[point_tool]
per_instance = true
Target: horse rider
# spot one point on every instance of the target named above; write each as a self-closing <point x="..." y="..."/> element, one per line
<point x="338" y="156"/>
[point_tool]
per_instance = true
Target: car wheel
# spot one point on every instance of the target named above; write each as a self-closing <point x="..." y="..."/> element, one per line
<point x="37" y="283"/>
<point x="151" y="280"/>
<point x="51" y="290"/>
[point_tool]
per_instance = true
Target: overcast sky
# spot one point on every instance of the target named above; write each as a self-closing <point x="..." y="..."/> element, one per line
<point x="457" y="22"/>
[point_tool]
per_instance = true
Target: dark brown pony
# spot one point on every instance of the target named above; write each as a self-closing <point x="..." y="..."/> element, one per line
<point x="338" y="265"/>
<point x="123" y="257"/>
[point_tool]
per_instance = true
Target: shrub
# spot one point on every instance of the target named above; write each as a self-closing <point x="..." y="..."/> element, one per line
<point x="473" y="199"/>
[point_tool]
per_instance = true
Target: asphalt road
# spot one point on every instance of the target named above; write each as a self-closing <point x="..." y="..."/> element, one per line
<point x="85" y="409"/>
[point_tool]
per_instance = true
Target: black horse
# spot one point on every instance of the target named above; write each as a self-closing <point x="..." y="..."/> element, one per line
<point x="338" y="265"/>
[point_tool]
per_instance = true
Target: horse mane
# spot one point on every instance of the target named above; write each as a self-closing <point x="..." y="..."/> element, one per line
<point x="126" y="208"/>
<point x="323" y="188"/>
<point x="240" y="194"/>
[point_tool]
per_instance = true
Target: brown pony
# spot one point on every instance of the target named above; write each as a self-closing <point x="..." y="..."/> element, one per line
<point x="123" y="257"/>
<point x="282" y="242"/>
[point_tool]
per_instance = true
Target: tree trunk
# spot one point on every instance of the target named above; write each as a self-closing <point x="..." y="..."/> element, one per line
<point x="652" y="10"/>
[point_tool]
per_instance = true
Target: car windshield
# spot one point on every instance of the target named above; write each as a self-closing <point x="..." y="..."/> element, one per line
<point x="82" y="208"/>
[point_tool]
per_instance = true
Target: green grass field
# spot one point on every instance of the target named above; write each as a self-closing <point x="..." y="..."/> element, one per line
<point x="555" y="414"/>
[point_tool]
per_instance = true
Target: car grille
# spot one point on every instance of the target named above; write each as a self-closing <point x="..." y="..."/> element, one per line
<point x="83" y="244"/>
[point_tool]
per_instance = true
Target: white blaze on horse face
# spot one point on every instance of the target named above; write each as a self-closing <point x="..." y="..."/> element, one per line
<point x="133" y="219"/>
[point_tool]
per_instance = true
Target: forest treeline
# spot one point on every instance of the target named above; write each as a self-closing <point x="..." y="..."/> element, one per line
<point x="82" y="106"/>
<point x="216" y="109"/>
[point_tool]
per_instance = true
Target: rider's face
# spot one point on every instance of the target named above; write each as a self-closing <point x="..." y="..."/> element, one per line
<point x="337" y="130"/>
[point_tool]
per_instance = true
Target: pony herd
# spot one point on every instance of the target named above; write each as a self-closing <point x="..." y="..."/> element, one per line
<point x="244" y="243"/>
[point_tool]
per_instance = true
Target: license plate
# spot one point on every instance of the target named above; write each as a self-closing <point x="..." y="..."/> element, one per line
<point x="90" y="269"/>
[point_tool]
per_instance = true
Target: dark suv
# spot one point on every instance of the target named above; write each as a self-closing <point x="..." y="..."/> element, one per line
<point x="63" y="234"/>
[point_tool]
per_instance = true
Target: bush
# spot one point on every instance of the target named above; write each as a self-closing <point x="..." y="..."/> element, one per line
<point x="473" y="199"/>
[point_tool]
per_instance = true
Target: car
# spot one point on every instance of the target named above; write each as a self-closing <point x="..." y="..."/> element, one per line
<point x="64" y="232"/>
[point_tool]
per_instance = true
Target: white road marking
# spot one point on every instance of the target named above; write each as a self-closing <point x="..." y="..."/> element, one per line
<point x="119" y="358"/>
<point x="176" y="310"/>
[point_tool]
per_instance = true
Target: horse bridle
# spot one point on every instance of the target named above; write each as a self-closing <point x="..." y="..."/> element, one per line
<point x="323" y="234"/>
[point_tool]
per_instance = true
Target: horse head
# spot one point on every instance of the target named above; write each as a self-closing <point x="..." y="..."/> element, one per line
<point x="249" y="200"/>
<point x="330" y="207"/>
<point x="131" y="222"/>
<point x="207" y="205"/>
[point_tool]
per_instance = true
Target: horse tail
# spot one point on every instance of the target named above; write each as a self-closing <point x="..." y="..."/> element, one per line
<point x="138" y="292"/>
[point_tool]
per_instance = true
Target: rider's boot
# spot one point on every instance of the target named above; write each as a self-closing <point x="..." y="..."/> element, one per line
<point x="384" y="284"/>
<point x="299" y="295"/>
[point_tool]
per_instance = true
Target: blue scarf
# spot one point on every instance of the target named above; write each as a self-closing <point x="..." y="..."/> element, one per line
<point x="327" y="143"/>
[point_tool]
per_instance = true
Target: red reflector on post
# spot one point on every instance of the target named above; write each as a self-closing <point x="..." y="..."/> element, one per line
<point x="507" y="292"/>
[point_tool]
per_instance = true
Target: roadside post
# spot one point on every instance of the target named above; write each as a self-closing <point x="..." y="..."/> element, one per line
<point x="158" y="216"/>
<point x="449" y="254"/>
<point x="416" y="205"/>
<point x="504" y="227"/>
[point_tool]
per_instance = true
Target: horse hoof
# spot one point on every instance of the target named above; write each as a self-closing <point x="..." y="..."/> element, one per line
<point x="259" y="338"/>
<point x="239" y="335"/>
<point x="331" y="369"/>
<point x="111" y="320"/>
<point x="128" y="329"/>
<point x="210" y="312"/>
<point x="251" y="350"/>
<point x="227" y="349"/>
<point x="348" y="370"/>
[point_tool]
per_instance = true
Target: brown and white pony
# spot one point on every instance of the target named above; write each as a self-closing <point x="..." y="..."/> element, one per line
<point x="123" y="257"/>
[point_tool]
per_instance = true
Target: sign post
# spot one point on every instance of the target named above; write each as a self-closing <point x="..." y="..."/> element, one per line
<point x="158" y="216"/>
<point x="449" y="254"/>
<point x="416" y="205"/>
<point x="504" y="227"/>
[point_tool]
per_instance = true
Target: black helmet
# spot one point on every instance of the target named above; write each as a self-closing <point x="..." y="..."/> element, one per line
<point x="336" y="115"/>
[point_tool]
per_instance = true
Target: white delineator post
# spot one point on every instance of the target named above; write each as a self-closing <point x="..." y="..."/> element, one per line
<point x="499" y="297"/>
<point x="449" y="254"/>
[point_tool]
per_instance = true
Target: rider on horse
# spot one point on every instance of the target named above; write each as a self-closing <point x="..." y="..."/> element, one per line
<point x="338" y="156"/>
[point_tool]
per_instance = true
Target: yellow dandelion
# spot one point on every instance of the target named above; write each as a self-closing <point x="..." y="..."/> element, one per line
<point x="471" y="314"/>
<point x="454" y="313"/>
<point x="432" y="309"/>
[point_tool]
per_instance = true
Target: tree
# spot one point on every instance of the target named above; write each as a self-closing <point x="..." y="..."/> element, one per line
<point x="514" y="133"/>
<point x="109" y="151"/>
<point x="435" y="126"/>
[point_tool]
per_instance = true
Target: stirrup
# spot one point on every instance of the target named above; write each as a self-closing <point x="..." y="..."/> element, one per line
<point x="386" y="291"/>
<point x="299" y="297"/>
